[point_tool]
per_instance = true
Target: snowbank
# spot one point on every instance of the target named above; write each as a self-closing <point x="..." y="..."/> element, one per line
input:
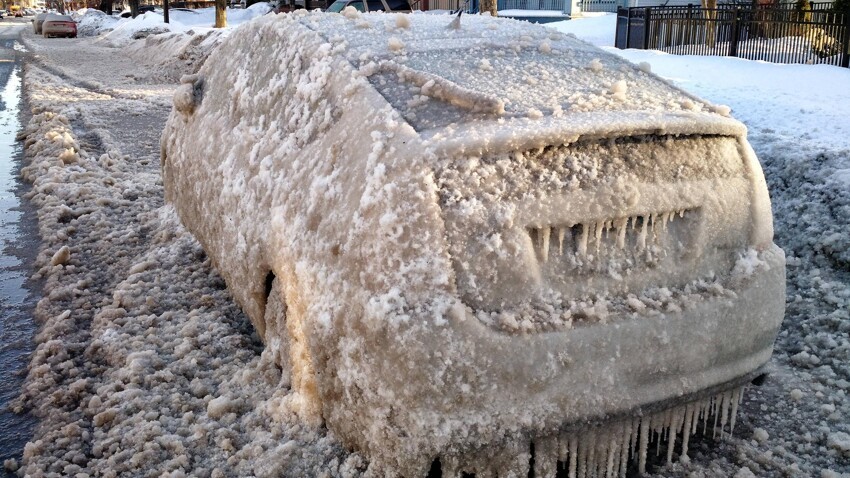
<point x="94" y="22"/>
<point x="123" y="31"/>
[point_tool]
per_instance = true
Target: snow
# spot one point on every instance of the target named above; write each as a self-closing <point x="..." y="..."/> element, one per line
<point x="107" y="208"/>
<point x="122" y="31"/>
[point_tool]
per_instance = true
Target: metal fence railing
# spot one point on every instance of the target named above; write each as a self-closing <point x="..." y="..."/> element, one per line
<point x="599" y="5"/>
<point x="554" y="5"/>
<point x="781" y="35"/>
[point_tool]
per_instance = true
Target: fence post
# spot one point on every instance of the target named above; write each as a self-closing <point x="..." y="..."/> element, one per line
<point x="646" y="13"/>
<point x="733" y="42"/>
<point x="845" y="57"/>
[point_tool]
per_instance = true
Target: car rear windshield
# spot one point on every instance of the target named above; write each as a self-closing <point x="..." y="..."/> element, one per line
<point x="398" y="5"/>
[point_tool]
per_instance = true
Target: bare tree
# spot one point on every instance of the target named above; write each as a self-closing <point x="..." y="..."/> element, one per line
<point x="220" y="13"/>
<point x="134" y="8"/>
<point x="488" y="6"/>
<point x="106" y="6"/>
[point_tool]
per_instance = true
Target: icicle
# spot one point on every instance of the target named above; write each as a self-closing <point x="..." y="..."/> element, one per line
<point x="659" y="435"/>
<point x="724" y="415"/>
<point x="618" y="448"/>
<point x="544" y="251"/>
<point x="573" y="457"/>
<point x="686" y="428"/>
<point x="561" y="232"/>
<point x="628" y="444"/>
<point x="563" y="447"/>
<point x="714" y="430"/>
<point x="600" y="227"/>
<point x="672" y="433"/>
<point x="736" y="397"/>
<point x="612" y="451"/>
<point x="582" y="240"/>
<point x="582" y="455"/>
<point x="641" y="239"/>
<point x="620" y="226"/>
<point x="644" y="443"/>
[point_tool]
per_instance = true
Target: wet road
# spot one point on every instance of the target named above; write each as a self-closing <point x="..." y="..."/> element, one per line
<point x="18" y="247"/>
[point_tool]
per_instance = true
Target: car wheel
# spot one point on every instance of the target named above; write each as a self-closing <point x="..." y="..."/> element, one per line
<point x="45" y="35"/>
<point x="285" y="339"/>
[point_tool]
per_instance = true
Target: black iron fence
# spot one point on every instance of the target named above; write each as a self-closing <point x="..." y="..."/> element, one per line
<point x="781" y="35"/>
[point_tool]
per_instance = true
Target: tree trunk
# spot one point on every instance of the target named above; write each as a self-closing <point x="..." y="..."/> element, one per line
<point x="220" y="13"/>
<point x="106" y="6"/>
<point x="134" y="8"/>
<point x="710" y="10"/>
<point x="488" y="6"/>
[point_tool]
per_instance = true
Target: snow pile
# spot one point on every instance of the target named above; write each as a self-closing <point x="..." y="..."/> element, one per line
<point x="94" y="22"/>
<point x="180" y="21"/>
<point x="173" y="55"/>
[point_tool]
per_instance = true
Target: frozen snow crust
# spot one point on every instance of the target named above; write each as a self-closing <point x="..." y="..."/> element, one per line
<point x="334" y="193"/>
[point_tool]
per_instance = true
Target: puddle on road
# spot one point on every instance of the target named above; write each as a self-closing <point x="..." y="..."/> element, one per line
<point x="18" y="247"/>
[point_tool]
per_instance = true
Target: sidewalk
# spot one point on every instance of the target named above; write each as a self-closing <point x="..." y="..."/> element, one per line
<point x="144" y="366"/>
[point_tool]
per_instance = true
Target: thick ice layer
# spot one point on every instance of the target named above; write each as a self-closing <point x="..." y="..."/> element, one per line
<point x="304" y="177"/>
<point x="605" y="450"/>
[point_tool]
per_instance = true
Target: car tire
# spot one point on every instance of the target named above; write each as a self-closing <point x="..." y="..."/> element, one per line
<point x="284" y="335"/>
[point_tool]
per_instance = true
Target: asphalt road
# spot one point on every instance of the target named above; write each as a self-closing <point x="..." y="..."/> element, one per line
<point x="18" y="247"/>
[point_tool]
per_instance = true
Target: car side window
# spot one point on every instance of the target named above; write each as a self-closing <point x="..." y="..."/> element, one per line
<point x="358" y="5"/>
<point x="398" y="5"/>
<point x="375" y="5"/>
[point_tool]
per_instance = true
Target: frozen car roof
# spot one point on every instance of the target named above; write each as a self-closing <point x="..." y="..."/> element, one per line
<point x="498" y="69"/>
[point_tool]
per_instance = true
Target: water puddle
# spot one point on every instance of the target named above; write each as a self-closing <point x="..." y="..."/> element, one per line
<point x="18" y="247"/>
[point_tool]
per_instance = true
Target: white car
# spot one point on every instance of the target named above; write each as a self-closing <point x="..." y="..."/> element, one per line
<point x="464" y="237"/>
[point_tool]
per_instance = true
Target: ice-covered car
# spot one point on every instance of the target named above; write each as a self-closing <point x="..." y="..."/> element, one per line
<point x="38" y="22"/>
<point x="59" y="26"/>
<point x="465" y="239"/>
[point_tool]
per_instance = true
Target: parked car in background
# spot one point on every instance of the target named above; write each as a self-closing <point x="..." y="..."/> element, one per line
<point x="37" y="22"/>
<point x="59" y="26"/>
<point x="371" y="5"/>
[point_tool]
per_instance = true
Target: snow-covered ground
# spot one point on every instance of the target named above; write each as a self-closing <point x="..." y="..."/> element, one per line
<point x="122" y="31"/>
<point x="146" y="367"/>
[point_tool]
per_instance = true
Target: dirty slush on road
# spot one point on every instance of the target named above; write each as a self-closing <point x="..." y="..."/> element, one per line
<point x="146" y="367"/>
<point x="18" y="245"/>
